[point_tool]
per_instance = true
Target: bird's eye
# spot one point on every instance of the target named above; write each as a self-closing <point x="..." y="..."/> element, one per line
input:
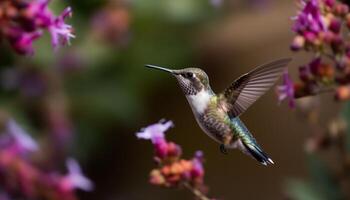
<point x="188" y="75"/>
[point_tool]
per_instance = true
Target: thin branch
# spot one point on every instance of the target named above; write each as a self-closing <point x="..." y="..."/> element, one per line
<point x="196" y="192"/>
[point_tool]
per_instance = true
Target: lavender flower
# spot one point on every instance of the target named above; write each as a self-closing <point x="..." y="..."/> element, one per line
<point x="154" y="132"/>
<point x="23" y="141"/>
<point x="59" y="30"/>
<point x="75" y="179"/>
<point x="16" y="140"/>
<point x="21" y="176"/>
<point x="286" y="90"/>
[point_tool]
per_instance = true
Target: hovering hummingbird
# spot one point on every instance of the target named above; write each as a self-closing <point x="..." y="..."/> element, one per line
<point x="218" y="114"/>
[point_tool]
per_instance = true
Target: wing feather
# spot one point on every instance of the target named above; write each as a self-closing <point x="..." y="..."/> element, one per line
<point x="245" y="90"/>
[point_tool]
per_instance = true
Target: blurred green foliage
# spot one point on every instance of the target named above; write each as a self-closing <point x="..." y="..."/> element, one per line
<point x="321" y="185"/>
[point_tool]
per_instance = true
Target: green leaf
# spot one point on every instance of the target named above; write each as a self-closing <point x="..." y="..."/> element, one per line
<point x="322" y="179"/>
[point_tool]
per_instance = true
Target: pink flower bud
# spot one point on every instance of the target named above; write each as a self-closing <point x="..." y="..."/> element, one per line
<point x="335" y="25"/>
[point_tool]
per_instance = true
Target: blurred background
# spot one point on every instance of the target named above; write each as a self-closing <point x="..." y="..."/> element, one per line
<point x="87" y="100"/>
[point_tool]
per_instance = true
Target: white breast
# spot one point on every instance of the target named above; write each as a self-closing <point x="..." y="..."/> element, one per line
<point x="199" y="102"/>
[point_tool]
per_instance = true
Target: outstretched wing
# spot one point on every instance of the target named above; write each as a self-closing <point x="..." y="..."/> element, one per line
<point x="244" y="91"/>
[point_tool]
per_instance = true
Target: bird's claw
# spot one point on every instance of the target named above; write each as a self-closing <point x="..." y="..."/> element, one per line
<point x="223" y="149"/>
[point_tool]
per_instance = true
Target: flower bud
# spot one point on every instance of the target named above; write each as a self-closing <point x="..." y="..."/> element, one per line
<point x="298" y="43"/>
<point x="304" y="73"/>
<point x="343" y="93"/>
<point x="315" y="65"/>
<point x="341" y="9"/>
<point x="348" y="20"/>
<point x="173" y="150"/>
<point x="156" y="178"/>
<point x="329" y="3"/>
<point x="310" y="37"/>
<point x="335" y="25"/>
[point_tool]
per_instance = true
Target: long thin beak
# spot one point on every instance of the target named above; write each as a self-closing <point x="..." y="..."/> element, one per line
<point x="160" y="68"/>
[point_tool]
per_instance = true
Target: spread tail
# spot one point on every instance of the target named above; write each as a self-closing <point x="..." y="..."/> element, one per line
<point x="256" y="152"/>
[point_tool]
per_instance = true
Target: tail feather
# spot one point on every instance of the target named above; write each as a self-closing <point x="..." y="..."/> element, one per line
<point x="256" y="152"/>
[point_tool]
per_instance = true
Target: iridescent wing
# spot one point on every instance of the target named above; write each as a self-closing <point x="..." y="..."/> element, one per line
<point x="244" y="91"/>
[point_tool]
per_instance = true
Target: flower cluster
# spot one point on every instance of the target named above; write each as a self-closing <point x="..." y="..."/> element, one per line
<point x="321" y="27"/>
<point x="172" y="170"/>
<point x="22" y="22"/>
<point x="20" y="176"/>
<point x="318" y="25"/>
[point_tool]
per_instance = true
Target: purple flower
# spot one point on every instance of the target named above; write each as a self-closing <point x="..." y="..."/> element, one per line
<point x="32" y="17"/>
<point x="22" y="42"/>
<point x="39" y="13"/>
<point x="154" y="132"/>
<point x="198" y="169"/>
<point x="199" y="155"/>
<point x="304" y="73"/>
<point x="75" y="179"/>
<point x="59" y="30"/>
<point x="20" y="141"/>
<point x="309" y="18"/>
<point x="286" y="90"/>
<point x="315" y="66"/>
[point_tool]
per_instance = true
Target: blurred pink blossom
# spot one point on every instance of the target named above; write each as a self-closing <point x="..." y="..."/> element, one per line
<point x="28" y="19"/>
<point x="75" y="179"/>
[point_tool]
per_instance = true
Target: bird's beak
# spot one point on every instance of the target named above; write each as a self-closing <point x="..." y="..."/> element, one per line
<point x="160" y="68"/>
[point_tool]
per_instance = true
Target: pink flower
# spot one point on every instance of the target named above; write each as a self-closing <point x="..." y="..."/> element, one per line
<point x="286" y="90"/>
<point x="22" y="42"/>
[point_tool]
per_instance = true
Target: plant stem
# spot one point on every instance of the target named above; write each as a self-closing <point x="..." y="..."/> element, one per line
<point x="319" y="91"/>
<point x="196" y="192"/>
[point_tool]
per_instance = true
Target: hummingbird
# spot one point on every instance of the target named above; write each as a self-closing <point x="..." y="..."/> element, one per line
<point x="218" y="114"/>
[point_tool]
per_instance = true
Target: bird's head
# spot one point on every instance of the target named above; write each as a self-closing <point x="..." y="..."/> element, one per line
<point x="191" y="80"/>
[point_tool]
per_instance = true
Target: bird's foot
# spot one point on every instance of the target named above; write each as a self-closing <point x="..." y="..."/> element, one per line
<point x="223" y="149"/>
